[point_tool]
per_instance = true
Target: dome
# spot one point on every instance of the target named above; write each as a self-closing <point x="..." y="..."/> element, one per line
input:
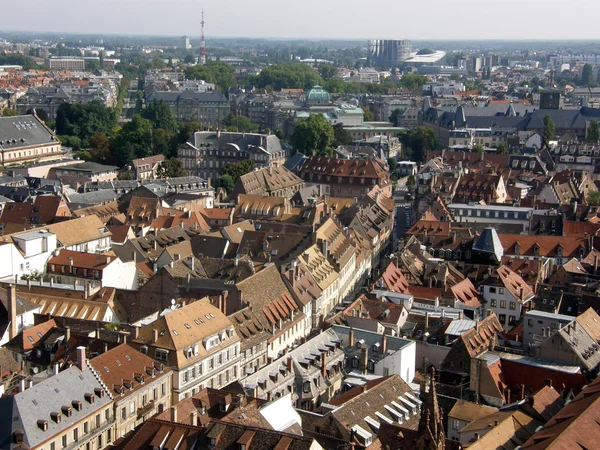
<point x="426" y="51"/>
<point x="317" y="94"/>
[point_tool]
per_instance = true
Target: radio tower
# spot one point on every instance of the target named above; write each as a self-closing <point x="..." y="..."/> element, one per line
<point x="202" y="58"/>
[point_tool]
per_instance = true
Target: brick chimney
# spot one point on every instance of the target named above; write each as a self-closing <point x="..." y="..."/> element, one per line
<point x="81" y="359"/>
<point x="289" y="363"/>
<point x="364" y="360"/>
<point x="351" y="338"/>
<point x="383" y="346"/>
<point x="12" y="311"/>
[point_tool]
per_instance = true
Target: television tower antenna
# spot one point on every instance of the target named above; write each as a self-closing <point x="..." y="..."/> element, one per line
<point x="202" y="59"/>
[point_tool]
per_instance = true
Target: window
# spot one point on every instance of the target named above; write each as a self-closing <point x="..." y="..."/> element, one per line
<point x="161" y="355"/>
<point x="492" y="290"/>
<point x="530" y="322"/>
<point x="131" y="408"/>
<point x="76" y="434"/>
<point x="501" y="291"/>
<point x="163" y="389"/>
<point x="513" y="306"/>
<point x="455" y="424"/>
<point x="211" y="364"/>
<point x="85" y="427"/>
<point x="503" y="304"/>
<point x="502" y="318"/>
<point x="64" y="441"/>
<point x="494" y="303"/>
<point x="306" y="387"/>
<point x="123" y="413"/>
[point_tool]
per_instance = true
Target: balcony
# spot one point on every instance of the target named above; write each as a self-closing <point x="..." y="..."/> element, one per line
<point x="143" y="410"/>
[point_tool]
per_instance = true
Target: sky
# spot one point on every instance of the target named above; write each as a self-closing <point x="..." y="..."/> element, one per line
<point x="343" y="19"/>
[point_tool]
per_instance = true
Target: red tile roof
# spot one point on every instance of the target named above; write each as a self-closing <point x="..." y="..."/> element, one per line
<point x="580" y="229"/>
<point x="547" y="245"/>
<point x="394" y="279"/>
<point x="465" y="292"/>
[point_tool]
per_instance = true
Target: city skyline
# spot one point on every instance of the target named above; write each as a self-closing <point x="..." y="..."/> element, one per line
<point x="310" y="20"/>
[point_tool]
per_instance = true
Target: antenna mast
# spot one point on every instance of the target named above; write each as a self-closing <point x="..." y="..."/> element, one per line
<point x="202" y="59"/>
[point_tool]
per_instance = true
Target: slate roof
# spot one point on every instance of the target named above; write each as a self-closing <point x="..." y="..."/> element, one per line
<point x="243" y="141"/>
<point x="24" y="131"/>
<point x="267" y="180"/>
<point x="39" y="401"/>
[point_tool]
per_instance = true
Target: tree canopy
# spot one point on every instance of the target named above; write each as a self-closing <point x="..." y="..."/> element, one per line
<point x="161" y="116"/>
<point x="171" y="168"/>
<point x="236" y="170"/>
<point x="419" y="141"/>
<point x="313" y="136"/>
<point x="84" y="121"/>
<point x="287" y="76"/>
<point x="217" y="72"/>
<point x="549" y="130"/>
<point x="413" y="81"/>
<point x="240" y="123"/>
<point x="593" y="134"/>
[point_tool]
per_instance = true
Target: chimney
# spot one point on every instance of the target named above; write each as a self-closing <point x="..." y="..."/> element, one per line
<point x="522" y="392"/>
<point x="67" y="334"/>
<point x="426" y="321"/>
<point x="12" y="311"/>
<point x="351" y="338"/>
<point x="290" y="361"/>
<point x="595" y="264"/>
<point x="81" y="359"/>
<point x="194" y="417"/>
<point x="324" y="365"/>
<point x="364" y="387"/>
<point x="383" y="346"/>
<point x="55" y="369"/>
<point x="364" y="360"/>
<point x="476" y="436"/>
<point x="154" y="336"/>
<point x="174" y="413"/>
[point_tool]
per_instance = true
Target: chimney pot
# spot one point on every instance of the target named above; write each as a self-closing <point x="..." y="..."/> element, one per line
<point x="81" y="359"/>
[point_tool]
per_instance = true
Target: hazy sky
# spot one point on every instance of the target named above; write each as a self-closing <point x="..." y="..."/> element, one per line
<point x="430" y="19"/>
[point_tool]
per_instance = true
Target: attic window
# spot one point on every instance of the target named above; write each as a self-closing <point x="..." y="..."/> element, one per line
<point x="77" y="405"/>
<point x="42" y="425"/>
<point x="89" y="398"/>
<point x="56" y="416"/>
<point x="67" y="411"/>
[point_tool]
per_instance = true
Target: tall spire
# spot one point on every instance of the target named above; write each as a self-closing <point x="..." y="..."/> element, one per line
<point x="431" y="426"/>
<point x="202" y="58"/>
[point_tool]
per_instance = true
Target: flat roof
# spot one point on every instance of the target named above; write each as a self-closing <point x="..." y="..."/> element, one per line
<point x="32" y="235"/>
<point x="540" y="362"/>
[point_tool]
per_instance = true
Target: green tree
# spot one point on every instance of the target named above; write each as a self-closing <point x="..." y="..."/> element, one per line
<point x="189" y="59"/>
<point x="593" y="198"/>
<point x="587" y="75"/>
<point x="395" y="116"/>
<point x="161" y="116"/>
<point x="341" y="136"/>
<point x="236" y="170"/>
<point x="418" y="141"/>
<point x="478" y="148"/>
<point x="392" y="164"/>
<point x="225" y="182"/>
<point x="187" y="129"/>
<point x="161" y="142"/>
<point x="413" y="82"/>
<point x="549" y="130"/>
<point x="8" y="112"/>
<point x="171" y="168"/>
<point x="240" y="123"/>
<point x="217" y="72"/>
<point x="593" y="134"/>
<point x="84" y="121"/>
<point x="327" y="71"/>
<point x="503" y="149"/>
<point x="411" y="183"/>
<point x="99" y="146"/>
<point x="369" y="117"/>
<point x="313" y="136"/>
<point x="288" y="76"/>
<point x="133" y="141"/>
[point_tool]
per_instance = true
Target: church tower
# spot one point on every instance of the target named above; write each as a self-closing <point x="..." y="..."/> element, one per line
<point x="431" y="425"/>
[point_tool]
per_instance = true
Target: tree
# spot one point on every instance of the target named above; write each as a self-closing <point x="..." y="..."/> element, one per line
<point x="313" y="136"/>
<point x="217" y="72"/>
<point x="593" y="198"/>
<point x="593" y="134"/>
<point x="413" y="82"/>
<point x="8" y="112"/>
<point x="418" y="141"/>
<point x="236" y="170"/>
<point x="587" y="75"/>
<point x="549" y="130"/>
<point x="327" y="71"/>
<point x="478" y="148"/>
<point x="369" y="117"/>
<point x="411" y="183"/>
<point x="133" y="141"/>
<point x="395" y="116"/>
<point x="225" y="182"/>
<point x="161" y="116"/>
<point x="187" y="129"/>
<point x="341" y="136"/>
<point x="240" y="123"/>
<point x="171" y="168"/>
<point x="84" y="121"/>
<point x="503" y="149"/>
<point x="100" y="147"/>
<point x="189" y="59"/>
<point x="288" y="76"/>
<point x="392" y="164"/>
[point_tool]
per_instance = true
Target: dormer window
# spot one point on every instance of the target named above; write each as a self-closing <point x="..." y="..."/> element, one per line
<point x="559" y="250"/>
<point x="517" y="249"/>
<point x="536" y="250"/>
<point x="56" y="416"/>
<point x="67" y="411"/>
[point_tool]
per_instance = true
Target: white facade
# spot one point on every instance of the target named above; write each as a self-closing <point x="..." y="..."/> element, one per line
<point x="500" y="301"/>
<point x="538" y="325"/>
<point x="27" y="254"/>
<point x="401" y="362"/>
<point x="472" y="213"/>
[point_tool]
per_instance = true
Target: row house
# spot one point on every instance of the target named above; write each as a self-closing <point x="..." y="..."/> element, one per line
<point x="71" y="409"/>
<point x="139" y="385"/>
<point x="198" y="342"/>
